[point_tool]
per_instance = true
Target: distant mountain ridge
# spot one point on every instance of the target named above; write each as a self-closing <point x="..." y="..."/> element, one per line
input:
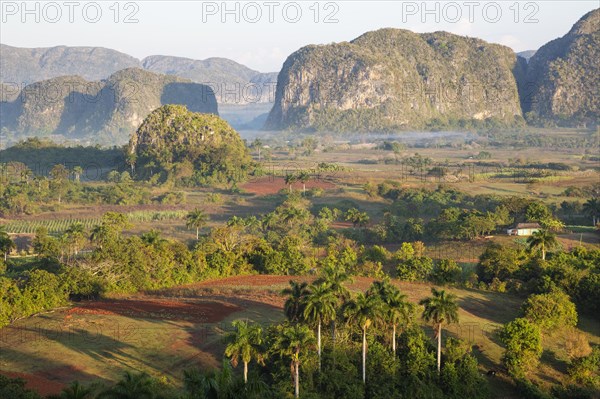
<point x="102" y="111"/>
<point x="228" y="78"/>
<point x="24" y="66"/>
<point x="527" y="54"/>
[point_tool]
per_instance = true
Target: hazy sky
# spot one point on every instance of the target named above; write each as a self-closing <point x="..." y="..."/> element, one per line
<point x="261" y="34"/>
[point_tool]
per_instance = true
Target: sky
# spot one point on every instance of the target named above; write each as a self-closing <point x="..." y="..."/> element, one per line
<point x="261" y="34"/>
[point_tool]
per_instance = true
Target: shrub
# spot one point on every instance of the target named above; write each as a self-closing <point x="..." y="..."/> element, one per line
<point x="415" y="269"/>
<point x="523" y="343"/>
<point x="551" y="310"/>
<point x="586" y="370"/>
<point x="446" y="271"/>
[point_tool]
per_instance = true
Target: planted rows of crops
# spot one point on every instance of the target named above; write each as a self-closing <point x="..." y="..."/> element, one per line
<point x="60" y="225"/>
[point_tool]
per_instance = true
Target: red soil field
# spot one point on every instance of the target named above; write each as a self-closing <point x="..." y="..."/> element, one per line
<point x="37" y="383"/>
<point x="272" y="185"/>
<point x="262" y="280"/>
<point x="199" y="312"/>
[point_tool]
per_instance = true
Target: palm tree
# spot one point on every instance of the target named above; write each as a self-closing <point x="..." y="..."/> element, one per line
<point x="336" y="279"/>
<point x="99" y="234"/>
<point x="290" y="179"/>
<point x="289" y="342"/>
<point x="397" y="310"/>
<point x="76" y="236"/>
<point x="303" y="177"/>
<point x="365" y="311"/>
<point x="199" y="384"/>
<point x="357" y="217"/>
<point x="77" y="172"/>
<point x="75" y="391"/>
<point x="6" y="243"/>
<point x="224" y="380"/>
<point x="592" y="208"/>
<point x="440" y="308"/>
<point x="244" y="343"/>
<point x="196" y="219"/>
<point x="320" y="306"/>
<point x="153" y="238"/>
<point x="213" y="384"/>
<point x="542" y="240"/>
<point x="130" y="159"/>
<point x="257" y="144"/>
<point x="294" y="305"/>
<point x="131" y="386"/>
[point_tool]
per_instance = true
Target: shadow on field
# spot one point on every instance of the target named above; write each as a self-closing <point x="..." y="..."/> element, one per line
<point x="50" y="376"/>
<point x="95" y="344"/>
<point x="494" y="307"/>
<point x="159" y="309"/>
<point x="549" y="358"/>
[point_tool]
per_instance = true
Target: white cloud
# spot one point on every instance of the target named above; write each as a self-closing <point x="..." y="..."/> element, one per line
<point x="513" y="42"/>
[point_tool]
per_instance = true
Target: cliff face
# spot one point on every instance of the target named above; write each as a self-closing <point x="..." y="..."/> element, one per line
<point x="74" y="107"/>
<point x="563" y="76"/>
<point x="233" y="83"/>
<point x="396" y="79"/>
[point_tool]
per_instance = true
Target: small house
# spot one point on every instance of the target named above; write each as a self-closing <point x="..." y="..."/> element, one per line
<point x="523" y="229"/>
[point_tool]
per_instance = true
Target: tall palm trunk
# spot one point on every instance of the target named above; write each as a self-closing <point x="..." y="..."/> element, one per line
<point x="297" y="378"/>
<point x="439" y="347"/>
<point x="319" y="342"/>
<point x="197" y="233"/>
<point x="245" y="372"/>
<point x="394" y="340"/>
<point x="364" y="356"/>
<point x="543" y="253"/>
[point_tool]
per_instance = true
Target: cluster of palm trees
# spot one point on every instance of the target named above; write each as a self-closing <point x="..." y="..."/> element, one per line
<point x="328" y="301"/>
<point x="307" y="307"/>
<point x="302" y="176"/>
<point x="130" y="386"/>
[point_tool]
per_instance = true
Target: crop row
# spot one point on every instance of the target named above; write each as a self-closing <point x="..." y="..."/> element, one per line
<point x="55" y="226"/>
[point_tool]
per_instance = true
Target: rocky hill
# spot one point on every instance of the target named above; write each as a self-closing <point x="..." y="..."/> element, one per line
<point x="108" y="111"/>
<point x="23" y="66"/>
<point x="563" y="77"/>
<point x="174" y="143"/>
<point x="395" y="79"/>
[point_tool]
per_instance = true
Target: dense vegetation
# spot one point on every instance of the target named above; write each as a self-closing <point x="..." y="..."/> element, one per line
<point x="559" y="285"/>
<point x="191" y="148"/>
<point x="378" y="350"/>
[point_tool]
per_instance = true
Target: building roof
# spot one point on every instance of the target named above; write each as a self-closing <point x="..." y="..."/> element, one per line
<point x="528" y="226"/>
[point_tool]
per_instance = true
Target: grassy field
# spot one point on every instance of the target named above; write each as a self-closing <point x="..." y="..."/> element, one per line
<point x="165" y="332"/>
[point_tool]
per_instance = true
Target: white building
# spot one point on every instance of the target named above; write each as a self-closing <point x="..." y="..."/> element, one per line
<point x="524" y="229"/>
